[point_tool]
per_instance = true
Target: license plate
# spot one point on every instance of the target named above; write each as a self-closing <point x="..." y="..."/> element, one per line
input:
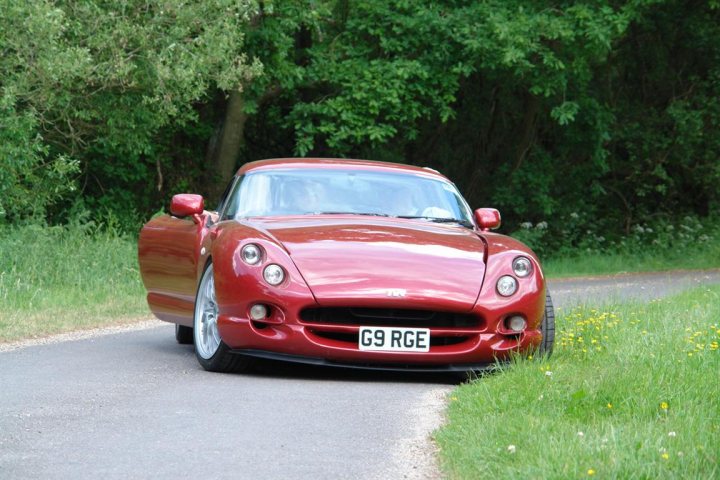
<point x="393" y="339"/>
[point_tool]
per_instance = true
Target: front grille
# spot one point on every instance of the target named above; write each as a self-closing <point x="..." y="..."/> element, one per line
<point x="388" y="317"/>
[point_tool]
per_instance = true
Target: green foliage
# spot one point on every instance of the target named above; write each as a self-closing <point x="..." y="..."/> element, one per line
<point x="515" y="98"/>
<point x="108" y="85"/>
<point x="539" y="108"/>
<point x="373" y="78"/>
<point x="32" y="175"/>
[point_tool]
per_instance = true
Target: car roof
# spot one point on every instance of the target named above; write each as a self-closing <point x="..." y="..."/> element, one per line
<point x="336" y="163"/>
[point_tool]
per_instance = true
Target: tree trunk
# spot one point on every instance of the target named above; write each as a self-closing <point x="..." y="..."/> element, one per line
<point x="524" y="138"/>
<point x="224" y="149"/>
<point x="526" y="131"/>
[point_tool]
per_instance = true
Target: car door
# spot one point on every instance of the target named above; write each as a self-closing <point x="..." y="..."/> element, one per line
<point x="169" y="249"/>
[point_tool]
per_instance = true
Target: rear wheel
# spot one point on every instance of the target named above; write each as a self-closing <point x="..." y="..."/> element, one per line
<point x="210" y="350"/>
<point x="183" y="334"/>
<point x="548" y="326"/>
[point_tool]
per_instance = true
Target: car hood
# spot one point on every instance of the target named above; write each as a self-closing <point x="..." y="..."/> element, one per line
<point x="385" y="262"/>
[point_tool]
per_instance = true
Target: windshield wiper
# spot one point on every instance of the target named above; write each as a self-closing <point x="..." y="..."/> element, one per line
<point x="459" y="221"/>
<point x="353" y="213"/>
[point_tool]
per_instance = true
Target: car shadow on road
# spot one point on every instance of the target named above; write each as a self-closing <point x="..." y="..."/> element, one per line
<point x="282" y="370"/>
<point x="287" y="370"/>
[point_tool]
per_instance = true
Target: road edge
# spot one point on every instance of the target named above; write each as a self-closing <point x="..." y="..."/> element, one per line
<point x="145" y="324"/>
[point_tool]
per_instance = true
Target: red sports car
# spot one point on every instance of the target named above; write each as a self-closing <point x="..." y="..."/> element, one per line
<point x="347" y="263"/>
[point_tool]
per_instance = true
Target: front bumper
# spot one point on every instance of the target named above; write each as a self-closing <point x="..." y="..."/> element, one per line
<point x="452" y="349"/>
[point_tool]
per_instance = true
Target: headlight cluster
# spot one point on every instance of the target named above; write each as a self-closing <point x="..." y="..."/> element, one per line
<point x="253" y="254"/>
<point x="507" y="284"/>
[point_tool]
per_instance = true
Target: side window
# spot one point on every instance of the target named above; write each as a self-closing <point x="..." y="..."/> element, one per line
<point x="226" y="193"/>
<point x="228" y="204"/>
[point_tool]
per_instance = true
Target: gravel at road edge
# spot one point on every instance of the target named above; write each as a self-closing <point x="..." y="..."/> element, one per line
<point x="143" y="324"/>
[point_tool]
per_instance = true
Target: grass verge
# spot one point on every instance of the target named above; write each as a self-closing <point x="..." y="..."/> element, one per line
<point x="707" y="257"/>
<point x="58" y="279"/>
<point x="630" y="392"/>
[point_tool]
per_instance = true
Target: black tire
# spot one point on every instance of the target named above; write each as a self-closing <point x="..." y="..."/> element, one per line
<point x="183" y="334"/>
<point x="204" y="324"/>
<point x="548" y="327"/>
<point x="225" y="362"/>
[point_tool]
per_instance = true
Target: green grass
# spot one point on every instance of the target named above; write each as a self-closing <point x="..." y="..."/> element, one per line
<point x="697" y="258"/>
<point x="631" y="391"/>
<point x="59" y="279"/>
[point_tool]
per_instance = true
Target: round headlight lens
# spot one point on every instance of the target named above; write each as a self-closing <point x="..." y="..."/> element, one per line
<point x="251" y="254"/>
<point x="506" y="285"/>
<point x="522" y="266"/>
<point x="274" y="274"/>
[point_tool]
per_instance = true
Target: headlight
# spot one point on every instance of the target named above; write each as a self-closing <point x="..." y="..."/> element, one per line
<point x="522" y="266"/>
<point x="251" y="254"/>
<point x="506" y="285"/>
<point x="274" y="274"/>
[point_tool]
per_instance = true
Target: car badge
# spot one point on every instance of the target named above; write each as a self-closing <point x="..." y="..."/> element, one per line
<point x="396" y="292"/>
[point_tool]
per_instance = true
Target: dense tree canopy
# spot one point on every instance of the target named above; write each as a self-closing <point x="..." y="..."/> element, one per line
<point x="589" y="115"/>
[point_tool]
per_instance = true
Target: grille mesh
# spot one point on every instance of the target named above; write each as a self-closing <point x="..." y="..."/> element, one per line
<point x="393" y="317"/>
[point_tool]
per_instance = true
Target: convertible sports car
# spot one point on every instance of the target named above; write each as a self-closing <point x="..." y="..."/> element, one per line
<point x="343" y="262"/>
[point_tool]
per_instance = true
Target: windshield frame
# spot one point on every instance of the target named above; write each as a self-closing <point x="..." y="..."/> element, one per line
<point x="462" y="211"/>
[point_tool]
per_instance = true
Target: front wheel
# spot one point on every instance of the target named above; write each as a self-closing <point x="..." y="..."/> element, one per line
<point x="548" y="326"/>
<point x="211" y="352"/>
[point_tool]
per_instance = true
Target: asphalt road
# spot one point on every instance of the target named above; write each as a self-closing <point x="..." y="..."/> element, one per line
<point x="137" y="405"/>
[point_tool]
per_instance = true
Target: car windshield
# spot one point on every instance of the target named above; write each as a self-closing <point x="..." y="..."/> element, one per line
<point x="344" y="191"/>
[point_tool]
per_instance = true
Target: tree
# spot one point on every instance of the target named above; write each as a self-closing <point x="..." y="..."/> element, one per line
<point x="106" y="85"/>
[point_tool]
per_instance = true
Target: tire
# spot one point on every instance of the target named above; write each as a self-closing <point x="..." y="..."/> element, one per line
<point x="183" y="334"/>
<point x="212" y="354"/>
<point x="548" y="327"/>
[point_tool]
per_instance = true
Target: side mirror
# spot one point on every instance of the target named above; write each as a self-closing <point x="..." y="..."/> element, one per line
<point x="186" y="204"/>
<point x="487" y="218"/>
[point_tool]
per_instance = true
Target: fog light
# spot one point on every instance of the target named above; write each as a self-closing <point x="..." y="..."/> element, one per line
<point x="506" y="285"/>
<point x="274" y="274"/>
<point x="258" y="311"/>
<point x="516" y="323"/>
